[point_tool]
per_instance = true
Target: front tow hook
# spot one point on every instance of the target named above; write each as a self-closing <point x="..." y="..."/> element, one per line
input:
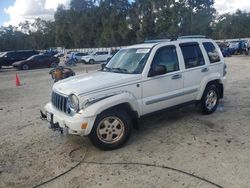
<point x="56" y="127"/>
<point x="53" y="126"/>
<point x="42" y="115"/>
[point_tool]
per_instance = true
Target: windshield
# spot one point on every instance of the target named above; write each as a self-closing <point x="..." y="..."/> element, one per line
<point x="2" y="54"/>
<point x="32" y="57"/>
<point x="128" y="61"/>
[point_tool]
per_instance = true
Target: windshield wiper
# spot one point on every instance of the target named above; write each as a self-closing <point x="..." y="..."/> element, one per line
<point x="118" y="70"/>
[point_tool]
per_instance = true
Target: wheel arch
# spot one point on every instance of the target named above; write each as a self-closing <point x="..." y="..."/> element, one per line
<point x="125" y="101"/>
<point x="213" y="80"/>
<point x="129" y="110"/>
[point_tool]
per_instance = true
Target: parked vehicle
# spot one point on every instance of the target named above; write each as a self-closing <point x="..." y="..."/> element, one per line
<point x="224" y="47"/>
<point x="79" y="55"/>
<point x="50" y="53"/>
<point x="37" y="61"/>
<point x="99" y="56"/>
<point x="237" y="47"/>
<point x="8" y="58"/>
<point x="137" y="81"/>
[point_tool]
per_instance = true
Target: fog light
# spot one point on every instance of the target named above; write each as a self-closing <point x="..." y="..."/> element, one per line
<point x="84" y="125"/>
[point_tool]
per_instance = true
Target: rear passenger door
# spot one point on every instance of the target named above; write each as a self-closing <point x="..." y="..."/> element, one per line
<point x="195" y="69"/>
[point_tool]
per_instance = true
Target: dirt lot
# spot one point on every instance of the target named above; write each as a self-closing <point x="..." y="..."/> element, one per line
<point x="215" y="147"/>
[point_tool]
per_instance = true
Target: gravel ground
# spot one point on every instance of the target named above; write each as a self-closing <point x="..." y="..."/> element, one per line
<point x="215" y="147"/>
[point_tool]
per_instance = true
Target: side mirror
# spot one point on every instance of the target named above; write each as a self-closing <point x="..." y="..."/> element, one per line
<point x="158" y="70"/>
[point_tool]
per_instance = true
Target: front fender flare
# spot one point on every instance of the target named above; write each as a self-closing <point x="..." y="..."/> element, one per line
<point x="111" y="101"/>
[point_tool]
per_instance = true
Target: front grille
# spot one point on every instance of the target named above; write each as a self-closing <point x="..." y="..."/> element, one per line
<point x="60" y="102"/>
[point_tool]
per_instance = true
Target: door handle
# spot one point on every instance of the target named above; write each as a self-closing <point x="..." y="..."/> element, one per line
<point x="204" y="70"/>
<point x="176" y="76"/>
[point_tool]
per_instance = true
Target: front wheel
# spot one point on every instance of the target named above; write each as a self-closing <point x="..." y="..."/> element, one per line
<point x="210" y="100"/>
<point x="92" y="61"/>
<point x="25" y="67"/>
<point x="111" y="129"/>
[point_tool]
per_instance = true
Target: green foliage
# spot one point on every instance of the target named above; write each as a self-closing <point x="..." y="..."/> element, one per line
<point x="233" y="25"/>
<point x="103" y="23"/>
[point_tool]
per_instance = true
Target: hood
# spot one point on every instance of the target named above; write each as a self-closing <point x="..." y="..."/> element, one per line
<point x="84" y="84"/>
<point x="19" y="62"/>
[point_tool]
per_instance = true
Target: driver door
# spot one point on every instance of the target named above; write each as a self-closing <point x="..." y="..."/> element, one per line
<point x="162" y="91"/>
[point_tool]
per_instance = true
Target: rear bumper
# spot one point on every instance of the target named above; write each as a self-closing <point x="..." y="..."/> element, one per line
<point x="72" y="123"/>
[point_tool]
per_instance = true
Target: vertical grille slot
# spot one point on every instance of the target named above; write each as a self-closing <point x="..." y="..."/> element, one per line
<point x="58" y="101"/>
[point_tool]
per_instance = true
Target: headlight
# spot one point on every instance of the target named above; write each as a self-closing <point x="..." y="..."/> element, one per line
<point x="73" y="103"/>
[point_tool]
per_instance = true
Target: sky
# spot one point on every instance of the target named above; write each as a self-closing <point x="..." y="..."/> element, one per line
<point x="13" y="12"/>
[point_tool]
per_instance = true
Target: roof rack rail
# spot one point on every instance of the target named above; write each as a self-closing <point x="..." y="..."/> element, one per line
<point x="192" y="37"/>
<point x="157" y="40"/>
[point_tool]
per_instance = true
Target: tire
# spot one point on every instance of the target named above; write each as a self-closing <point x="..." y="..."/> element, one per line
<point x="92" y="61"/>
<point x="111" y="129"/>
<point x="54" y="65"/>
<point x="210" y="99"/>
<point x="25" y="67"/>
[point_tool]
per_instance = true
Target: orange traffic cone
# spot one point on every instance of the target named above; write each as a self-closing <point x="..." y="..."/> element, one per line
<point x="17" y="80"/>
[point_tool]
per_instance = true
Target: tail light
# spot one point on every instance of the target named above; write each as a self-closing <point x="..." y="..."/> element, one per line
<point x="224" y="70"/>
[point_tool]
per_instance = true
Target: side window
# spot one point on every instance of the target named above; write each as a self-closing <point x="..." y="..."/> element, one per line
<point x="212" y="52"/>
<point x="98" y="53"/>
<point x="167" y="57"/>
<point x="192" y="55"/>
<point x="10" y="55"/>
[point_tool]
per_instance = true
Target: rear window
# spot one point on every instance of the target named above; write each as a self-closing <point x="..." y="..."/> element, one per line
<point x="192" y="55"/>
<point x="212" y="52"/>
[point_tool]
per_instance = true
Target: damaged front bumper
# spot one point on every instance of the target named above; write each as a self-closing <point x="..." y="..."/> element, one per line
<point x="59" y="121"/>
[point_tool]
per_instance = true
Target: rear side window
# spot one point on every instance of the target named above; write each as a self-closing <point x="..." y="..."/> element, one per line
<point x="167" y="57"/>
<point x="212" y="52"/>
<point x="192" y="55"/>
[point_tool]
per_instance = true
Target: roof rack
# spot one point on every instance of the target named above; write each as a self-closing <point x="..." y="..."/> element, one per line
<point x="192" y="37"/>
<point x="157" y="40"/>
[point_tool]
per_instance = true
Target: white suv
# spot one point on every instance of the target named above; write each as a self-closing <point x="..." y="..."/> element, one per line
<point x="98" y="56"/>
<point x="138" y="80"/>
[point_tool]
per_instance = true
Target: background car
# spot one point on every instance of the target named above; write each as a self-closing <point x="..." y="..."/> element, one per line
<point x="8" y="58"/>
<point x="50" y="53"/>
<point x="37" y="61"/>
<point x="98" y="56"/>
<point x="79" y="55"/>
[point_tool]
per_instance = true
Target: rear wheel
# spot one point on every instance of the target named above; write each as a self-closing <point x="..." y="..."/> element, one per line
<point x="210" y="99"/>
<point x="25" y="67"/>
<point x="111" y="129"/>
